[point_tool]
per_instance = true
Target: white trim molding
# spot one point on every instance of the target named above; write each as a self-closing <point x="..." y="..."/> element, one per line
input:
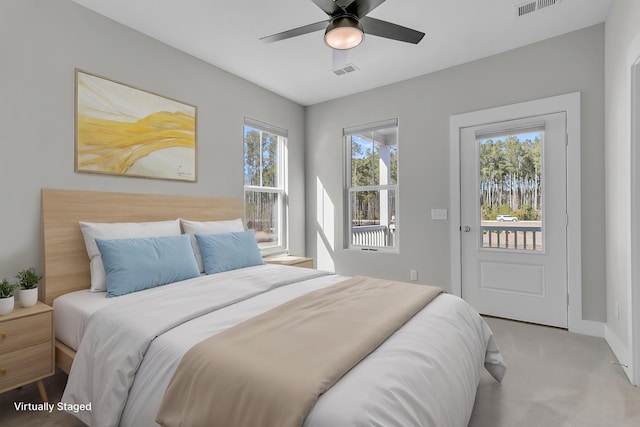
<point x="569" y="103"/>
<point x="633" y="285"/>
<point x="619" y="349"/>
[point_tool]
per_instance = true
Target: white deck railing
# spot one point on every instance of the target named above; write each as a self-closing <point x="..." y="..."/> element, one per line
<point x="512" y="237"/>
<point x="370" y="235"/>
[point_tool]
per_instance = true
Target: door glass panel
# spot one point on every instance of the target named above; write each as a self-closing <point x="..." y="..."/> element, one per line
<point x="511" y="216"/>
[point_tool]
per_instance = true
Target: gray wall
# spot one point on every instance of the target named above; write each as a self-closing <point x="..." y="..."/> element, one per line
<point x="42" y="42"/>
<point x="569" y="63"/>
<point x="622" y="26"/>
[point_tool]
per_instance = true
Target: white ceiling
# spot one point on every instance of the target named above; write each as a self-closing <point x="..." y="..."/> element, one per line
<point x="226" y="34"/>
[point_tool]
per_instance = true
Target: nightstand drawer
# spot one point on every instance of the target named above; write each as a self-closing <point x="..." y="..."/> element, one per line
<point x="25" y="366"/>
<point x="25" y="332"/>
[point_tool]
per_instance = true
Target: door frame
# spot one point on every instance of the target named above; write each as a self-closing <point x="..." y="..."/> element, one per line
<point x="633" y="285"/>
<point x="569" y="103"/>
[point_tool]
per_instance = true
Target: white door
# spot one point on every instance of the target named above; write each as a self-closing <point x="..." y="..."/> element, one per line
<point x="514" y="219"/>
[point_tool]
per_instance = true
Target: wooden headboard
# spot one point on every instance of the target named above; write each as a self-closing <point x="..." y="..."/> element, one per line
<point x="66" y="264"/>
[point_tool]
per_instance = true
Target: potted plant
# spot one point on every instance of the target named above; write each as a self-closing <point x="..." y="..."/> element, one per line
<point x="6" y="296"/>
<point x="28" y="282"/>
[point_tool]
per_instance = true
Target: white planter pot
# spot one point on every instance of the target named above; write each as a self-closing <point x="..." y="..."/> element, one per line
<point x="6" y="305"/>
<point x="28" y="297"/>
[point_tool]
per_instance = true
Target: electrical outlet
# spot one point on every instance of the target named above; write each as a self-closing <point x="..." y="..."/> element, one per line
<point x="413" y="274"/>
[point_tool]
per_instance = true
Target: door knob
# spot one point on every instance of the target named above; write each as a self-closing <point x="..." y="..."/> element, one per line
<point x="466" y="229"/>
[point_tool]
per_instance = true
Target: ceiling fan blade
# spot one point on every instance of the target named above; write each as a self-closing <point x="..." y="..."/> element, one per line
<point x="296" y="32"/>
<point x="343" y="3"/>
<point x="329" y="7"/>
<point x="339" y="58"/>
<point x="360" y="8"/>
<point x="376" y="27"/>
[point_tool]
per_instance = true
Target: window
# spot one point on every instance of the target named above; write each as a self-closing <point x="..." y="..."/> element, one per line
<point x="372" y="185"/>
<point x="511" y="189"/>
<point x="265" y="184"/>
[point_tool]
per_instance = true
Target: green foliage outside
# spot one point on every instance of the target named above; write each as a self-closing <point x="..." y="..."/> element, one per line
<point x="365" y="171"/>
<point x="261" y="170"/>
<point x="365" y="164"/>
<point x="260" y="158"/>
<point x="511" y="178"/>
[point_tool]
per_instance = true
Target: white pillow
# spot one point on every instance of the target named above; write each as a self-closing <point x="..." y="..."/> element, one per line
<point x="208" y="227"/>
<point x="119" y="230"/>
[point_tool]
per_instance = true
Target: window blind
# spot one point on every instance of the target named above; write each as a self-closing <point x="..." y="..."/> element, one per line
<point x="266" y="127"/>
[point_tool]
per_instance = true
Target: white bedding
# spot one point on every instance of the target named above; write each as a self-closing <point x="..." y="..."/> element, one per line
<point x="73" y="311"/>
<point x="426" y="374"/>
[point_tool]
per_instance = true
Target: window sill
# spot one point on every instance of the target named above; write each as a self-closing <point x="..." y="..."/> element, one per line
<point x="373" y="250"/>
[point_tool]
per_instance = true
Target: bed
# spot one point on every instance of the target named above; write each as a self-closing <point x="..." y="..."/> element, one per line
<point x="121" y="353"/>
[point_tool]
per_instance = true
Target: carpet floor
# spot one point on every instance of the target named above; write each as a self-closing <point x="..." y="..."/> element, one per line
<point x="554" y="379"/>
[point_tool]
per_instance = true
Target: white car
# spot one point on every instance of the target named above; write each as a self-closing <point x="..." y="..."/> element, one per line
<point x="506" y="218"/>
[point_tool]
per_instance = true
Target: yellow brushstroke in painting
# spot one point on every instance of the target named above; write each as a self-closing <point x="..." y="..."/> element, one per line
<point x="114" y="146"/>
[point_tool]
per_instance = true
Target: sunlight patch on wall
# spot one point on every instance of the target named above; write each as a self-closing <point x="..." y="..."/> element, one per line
<point x="325" y="238"/>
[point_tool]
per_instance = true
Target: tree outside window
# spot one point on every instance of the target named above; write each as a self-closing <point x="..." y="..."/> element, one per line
<point x="264" y="184"/>
<point x="372" y="185"/>
<point x="511" y="176"/>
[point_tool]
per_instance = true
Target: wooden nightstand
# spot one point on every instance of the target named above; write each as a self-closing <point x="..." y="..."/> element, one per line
<point x="26" y="347"/>
<point x="296" y="261"/>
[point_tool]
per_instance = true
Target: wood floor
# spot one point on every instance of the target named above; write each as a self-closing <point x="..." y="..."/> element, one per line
<point x="554" y="379"/>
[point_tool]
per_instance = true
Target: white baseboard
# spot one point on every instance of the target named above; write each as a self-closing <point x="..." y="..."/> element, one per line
<point x="620" y="350"/>
<point x="587" y="327"/>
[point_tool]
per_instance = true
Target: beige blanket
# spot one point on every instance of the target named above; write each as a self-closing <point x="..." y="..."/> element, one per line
<point x="270" y="370"/>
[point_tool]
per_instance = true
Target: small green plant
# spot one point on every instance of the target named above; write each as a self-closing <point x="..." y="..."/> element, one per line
<point x="28" y="279"/>
<point x="7" y="289"/>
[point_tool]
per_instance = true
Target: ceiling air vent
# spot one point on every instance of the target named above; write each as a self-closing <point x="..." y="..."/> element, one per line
<point x="532" y="6"/>
<point x="526" y="8"/>
<point x="545" y="3"/>
<point x="349" y="68"/>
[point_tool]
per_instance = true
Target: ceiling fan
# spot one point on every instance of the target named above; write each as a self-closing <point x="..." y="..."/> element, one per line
<point x="348" y="23"/>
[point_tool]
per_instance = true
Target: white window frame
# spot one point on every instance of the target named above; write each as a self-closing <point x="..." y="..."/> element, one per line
<point x="280" y="189"/>
<point x="349" y="189"/>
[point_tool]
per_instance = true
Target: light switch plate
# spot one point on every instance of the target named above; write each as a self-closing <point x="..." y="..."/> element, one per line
<point x="439" y="214"/>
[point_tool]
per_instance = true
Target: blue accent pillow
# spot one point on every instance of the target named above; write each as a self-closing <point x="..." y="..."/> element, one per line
<point x="135" y="264"/>
<point x="229" y="251"/>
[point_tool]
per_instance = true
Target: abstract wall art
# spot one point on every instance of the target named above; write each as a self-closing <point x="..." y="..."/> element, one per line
<point x="122" y="130"/>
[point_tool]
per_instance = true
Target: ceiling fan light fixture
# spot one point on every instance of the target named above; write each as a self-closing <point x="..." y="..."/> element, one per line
<point x="344" y="32"/>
